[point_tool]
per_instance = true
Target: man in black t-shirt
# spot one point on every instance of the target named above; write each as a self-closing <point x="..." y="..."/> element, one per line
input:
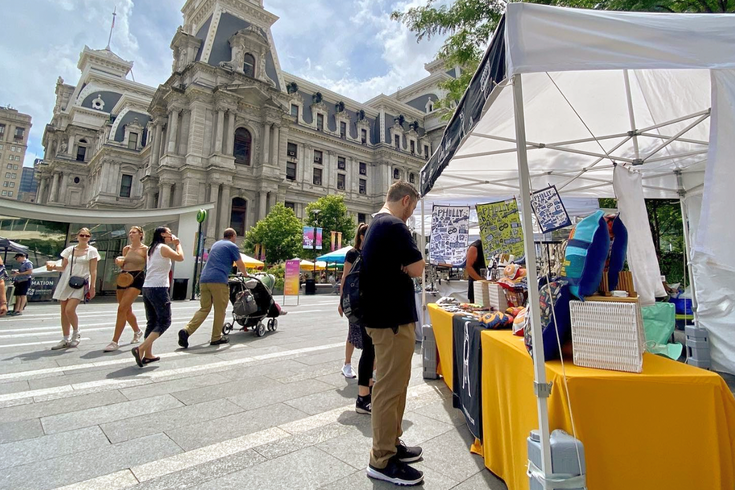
<point x="390" y="259"/>
<point x="474" y="262"/>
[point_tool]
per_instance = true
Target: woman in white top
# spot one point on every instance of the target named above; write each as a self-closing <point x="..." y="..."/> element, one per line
<point x="81" y="261"/>
<point x="155" y="291"/>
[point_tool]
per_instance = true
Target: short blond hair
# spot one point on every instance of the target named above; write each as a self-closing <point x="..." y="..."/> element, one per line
<point x="139" y="230"/>
<point x="401" y="189"/>
<point x="83" y="230"/>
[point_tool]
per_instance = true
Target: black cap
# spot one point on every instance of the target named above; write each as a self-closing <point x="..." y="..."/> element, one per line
<point x="20" y="254"/>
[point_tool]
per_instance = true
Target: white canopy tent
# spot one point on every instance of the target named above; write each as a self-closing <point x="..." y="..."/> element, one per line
<point x="565" y="95"/>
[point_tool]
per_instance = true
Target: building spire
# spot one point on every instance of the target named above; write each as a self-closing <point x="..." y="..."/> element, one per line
<point x="114" y="14"/>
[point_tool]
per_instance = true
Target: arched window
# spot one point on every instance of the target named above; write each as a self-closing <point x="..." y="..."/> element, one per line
<point x="81" y="150"/>
<point x="396" y="174"/>
<point x="243" y="144"/>
<point x="249" y="65"/>
<point x="238" y="215"/>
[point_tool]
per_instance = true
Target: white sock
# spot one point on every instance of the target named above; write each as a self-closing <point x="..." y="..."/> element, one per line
<point x="74" y="334"/>
<point x="66" y="337"/>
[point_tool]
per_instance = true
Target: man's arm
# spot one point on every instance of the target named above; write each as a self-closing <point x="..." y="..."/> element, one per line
<point x="241" y="266"/>
<point x="416" y="269"/>
<point x="471" y="257"/>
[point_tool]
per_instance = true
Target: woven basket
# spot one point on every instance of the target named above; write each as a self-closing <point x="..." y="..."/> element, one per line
<point x="608" y="334"/>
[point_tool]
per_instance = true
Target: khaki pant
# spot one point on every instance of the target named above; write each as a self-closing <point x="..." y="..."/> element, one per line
<point x="393" y="353"/>
<point x="211" y="294"/>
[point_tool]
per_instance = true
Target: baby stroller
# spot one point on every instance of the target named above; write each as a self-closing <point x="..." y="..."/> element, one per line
<point x="252" y="301"/>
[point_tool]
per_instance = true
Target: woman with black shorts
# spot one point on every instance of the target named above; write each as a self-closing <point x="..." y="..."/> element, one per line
<point x="155" y="291"/>
<point x="133" y="262"/>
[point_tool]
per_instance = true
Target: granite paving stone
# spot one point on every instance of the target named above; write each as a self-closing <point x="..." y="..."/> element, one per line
<point x="66" y="405"/>
<point x="109" y="413"/>
<point x="359" y="480"/>
<point x="483" y="480"/>
<point x="442" y="411"/>
<point x="418" y="429"/>
<point x="277" y="393"/>
<point x="18" y="431"/>
<point x="174" y="386"/>
<point x="306" y="469"/>
<point x="143" y="425"/>
<point x="450" y="455"/>
<point x="40" y="448"/>
<point x="65" y="470"/>
<point x="326" y="400"/>
<point x="13" y="387"/>
<point x="352" y="448"/>
<point x="223" y="390"/>
<point x="305" y="439"/>
<point x="217" y="430"/>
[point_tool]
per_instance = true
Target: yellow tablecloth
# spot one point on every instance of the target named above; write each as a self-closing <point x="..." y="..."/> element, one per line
<point x="671" y="427"/>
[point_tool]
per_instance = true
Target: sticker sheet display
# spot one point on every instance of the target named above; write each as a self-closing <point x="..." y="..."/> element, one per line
<point x="450" y="231"/>
<point x="500" y="228"/>
<point x="549" y="210"/>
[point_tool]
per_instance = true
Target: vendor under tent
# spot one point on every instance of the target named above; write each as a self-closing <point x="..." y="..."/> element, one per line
<point x="12" y="247"/>
<point x="308" y="266"/>
<point x="607" y="104"/>
<point x="336" y="257"/>
<point x="251" y="263"/>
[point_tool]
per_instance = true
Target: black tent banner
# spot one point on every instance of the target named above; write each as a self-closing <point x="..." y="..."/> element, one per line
<point x="469" y="110"/>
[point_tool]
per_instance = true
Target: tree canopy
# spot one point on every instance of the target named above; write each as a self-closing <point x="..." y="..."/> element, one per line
<point x="470" y="25"/>
<point x="280" y="232"/>
<point x="332" y="217"/>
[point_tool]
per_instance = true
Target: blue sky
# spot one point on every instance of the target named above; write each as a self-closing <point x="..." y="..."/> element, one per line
<point x="350" y="46"/>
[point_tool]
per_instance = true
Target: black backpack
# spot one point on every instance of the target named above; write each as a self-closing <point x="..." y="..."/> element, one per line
<point x="351" y="297"/>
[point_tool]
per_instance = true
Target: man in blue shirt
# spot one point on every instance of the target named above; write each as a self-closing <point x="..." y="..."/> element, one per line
<point x="22" y="280"/>
<point x="213" y="289"/>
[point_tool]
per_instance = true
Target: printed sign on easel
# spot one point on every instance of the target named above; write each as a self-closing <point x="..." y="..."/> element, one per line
<point x="549" y="210"/>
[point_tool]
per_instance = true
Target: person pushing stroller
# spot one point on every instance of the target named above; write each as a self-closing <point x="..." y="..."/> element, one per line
<point x="214" y="290"/>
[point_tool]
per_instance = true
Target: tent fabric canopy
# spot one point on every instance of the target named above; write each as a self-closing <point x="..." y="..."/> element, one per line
<point x="336" y="257"/>
<point x="251" y="263"/>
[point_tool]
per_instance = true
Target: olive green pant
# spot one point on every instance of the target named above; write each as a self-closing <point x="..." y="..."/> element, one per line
<point x="211" y="294"/>
<point x="393" y="353"/>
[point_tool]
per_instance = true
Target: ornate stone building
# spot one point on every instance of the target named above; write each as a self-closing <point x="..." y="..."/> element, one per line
<point x="230" y="127"/>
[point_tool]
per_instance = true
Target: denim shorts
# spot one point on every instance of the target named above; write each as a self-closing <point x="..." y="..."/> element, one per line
<point x="157" y="310"/>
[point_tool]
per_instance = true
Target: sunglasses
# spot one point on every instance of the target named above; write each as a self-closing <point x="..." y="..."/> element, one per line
<point x="84" y="236"/>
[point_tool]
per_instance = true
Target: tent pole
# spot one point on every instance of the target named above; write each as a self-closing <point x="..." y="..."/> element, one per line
<point x="541" y="388"/>
<point x="687" y="244"/>
<point x="631" y="114"/>
<point x="423" y="274"/>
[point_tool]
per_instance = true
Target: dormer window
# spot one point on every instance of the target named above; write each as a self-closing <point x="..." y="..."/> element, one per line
<point x="320" y="122"/>
<point x="396" y="174"/>
<point x="133" y="141"/>
<point x="397" y="142"/>
<point x="81" y="150"/>
<point x="343" y="130"/>
<point x="363" y="136"/>
<point x="413" y="147"/>
<point x="248" y="67"/>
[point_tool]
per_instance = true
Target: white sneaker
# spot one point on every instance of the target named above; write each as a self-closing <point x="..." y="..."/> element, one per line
<point x="63" y="344"/>
<point x="112" y="346"/>
<point x="348" y="372"/>
<point x="75" y="339"/>
<point x="136" y="337"/>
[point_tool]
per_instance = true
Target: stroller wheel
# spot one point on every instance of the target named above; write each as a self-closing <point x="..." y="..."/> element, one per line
<point x="260" y="329"/>
<point x="272" y="324"/>
<point x="226" y="328"/>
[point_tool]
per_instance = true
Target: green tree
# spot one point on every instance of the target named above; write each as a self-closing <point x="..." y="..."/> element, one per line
<point x="332" y="217"/>
<point x="280" y="232"/>
<point x="470" y="24"/>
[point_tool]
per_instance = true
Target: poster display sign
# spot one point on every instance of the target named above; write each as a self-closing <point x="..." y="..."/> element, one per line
<point x="291" y="278"/>
<point x="449" y="234"/>
<point x="500" y="228"/>
<point x="549" y="210"/>
<point x="308" y="242"/>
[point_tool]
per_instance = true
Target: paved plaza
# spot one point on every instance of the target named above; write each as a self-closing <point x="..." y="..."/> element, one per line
<point x="259" y="413"/>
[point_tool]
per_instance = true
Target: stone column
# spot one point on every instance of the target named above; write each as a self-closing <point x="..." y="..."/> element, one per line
<point x="183" y="145"/>
<point x="271" y="200"/>
<point x="70" y="148"/>
<point x="164" y="195"/>
<point x="224" y="209"/>
<point x="156" y="150"/>
<point x="40" y="190"/>
<point x="266" y="143"/>
<point x="62" y="188"/>
<point x="173" y="131"/>
<point x="220" y="131"/>
<point x="262" y="204"/>
<point x="150" y="196"/>
<point x="54" y="187"/>
<point x="197" y="122"/>
<point x="212" y="220"/>
<point x="230" y="141"/>
<point x="176" y="201"/>
<point x="275" y="153"/>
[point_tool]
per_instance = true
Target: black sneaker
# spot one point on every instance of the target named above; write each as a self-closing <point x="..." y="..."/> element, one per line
<point x="408" y="454"/>
<point x="220" y="341"/>
<point x="183" y="339"/>
<point x="396" y="473"/>
<point x="364" y="405"/>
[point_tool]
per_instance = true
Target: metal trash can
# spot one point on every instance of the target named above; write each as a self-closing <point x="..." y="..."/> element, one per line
<point x="180" y="287"/>
<point x="310" y="287"/>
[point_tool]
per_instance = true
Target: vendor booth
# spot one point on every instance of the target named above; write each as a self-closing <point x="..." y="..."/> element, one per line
<point x="604" y="104"/>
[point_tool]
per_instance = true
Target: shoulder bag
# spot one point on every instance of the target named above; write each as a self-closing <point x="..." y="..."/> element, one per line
<point x="75" y="282"/>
